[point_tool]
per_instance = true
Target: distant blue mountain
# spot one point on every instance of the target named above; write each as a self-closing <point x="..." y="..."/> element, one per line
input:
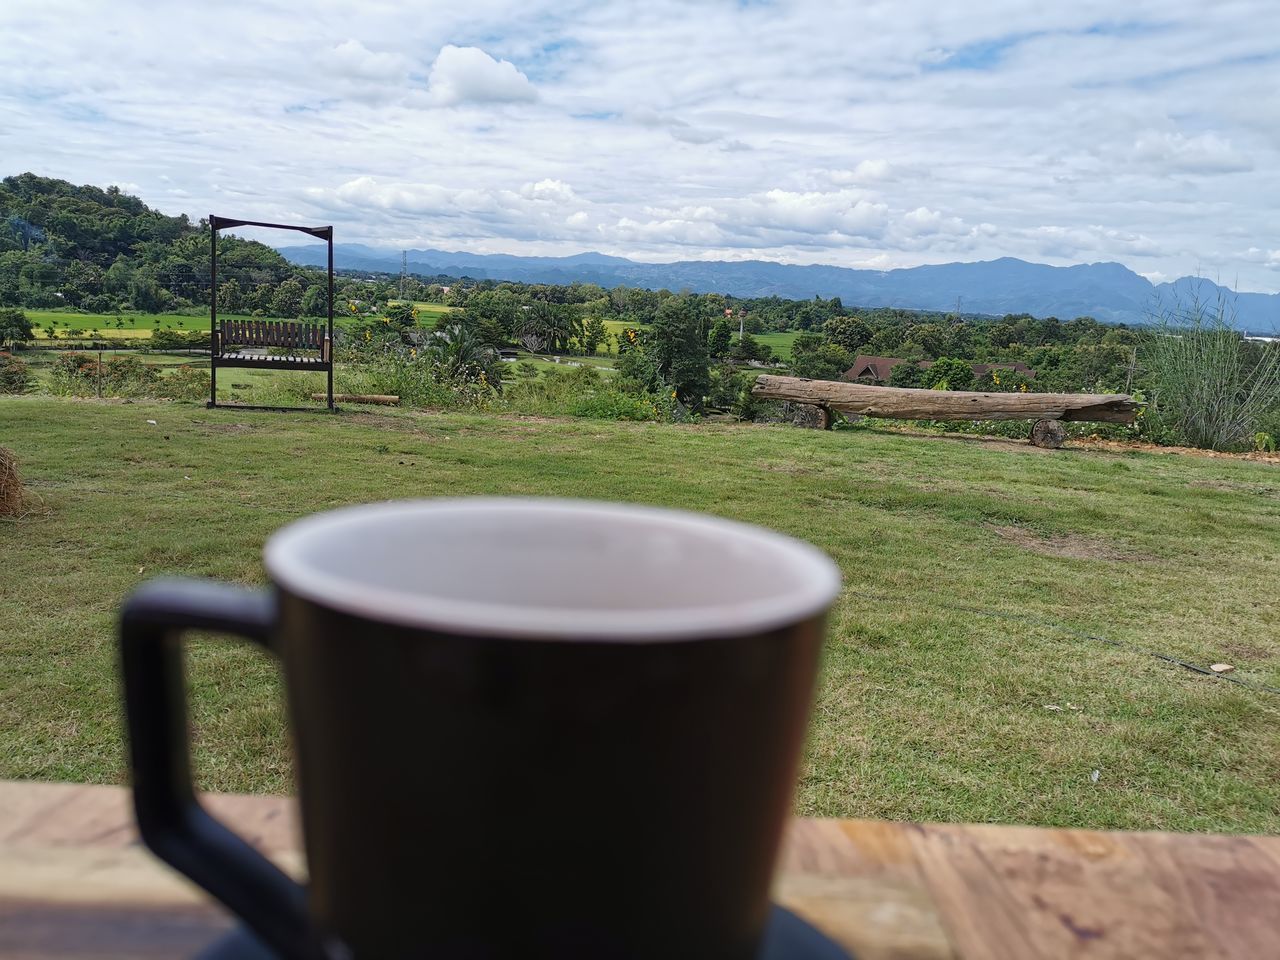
<point x="1107" y="291"/>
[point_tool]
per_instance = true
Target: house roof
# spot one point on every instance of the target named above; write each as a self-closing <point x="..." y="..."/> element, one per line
<point x="868" y="367"/>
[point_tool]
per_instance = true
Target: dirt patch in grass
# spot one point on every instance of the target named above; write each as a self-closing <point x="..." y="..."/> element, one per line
<point x="1072" y="546"/>
<point x="993" y="443"/>
<point x="1244" y="652"/>
<point x="1128" y="446"/>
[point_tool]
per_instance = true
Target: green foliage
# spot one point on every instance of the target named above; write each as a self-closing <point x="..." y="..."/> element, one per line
<point x="851" y="333"/>
<point x="1210" y="386"/>
<point x="819" y="359"/>
<point x="719" y="339"/>
<point x="1264" y="442"/>
<point x="907" y="375"/>
<point x="677" y="342"/>
<point x="594" y="333"/>
<point x="315" y="302"/>
<point x="179" y="340"/>
<point x="748" y="348"/>
<point x="182" y="383"/>
<point x="14" y="326"/>
<point x="584" y="392"/>
<point x="948" y="373"/>
<point x="402" y="315"/>
<point x="80" y="374"/>
<point x="1004" y="381"/>
<point x="15" y="377"/>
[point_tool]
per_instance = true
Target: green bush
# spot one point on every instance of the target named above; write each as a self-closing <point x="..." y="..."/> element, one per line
<point x="179" y="340"/>
<point x="586" y="392"/>
<point x="81" y="375"/>
<point x="184" y="383"/>
<point x="14" y="375"/>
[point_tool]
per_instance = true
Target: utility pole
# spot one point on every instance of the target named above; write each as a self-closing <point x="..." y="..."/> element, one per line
<point x="404" y="271"/>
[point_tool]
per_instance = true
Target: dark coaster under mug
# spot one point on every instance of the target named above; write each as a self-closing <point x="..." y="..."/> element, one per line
<point x="788" y="937"/>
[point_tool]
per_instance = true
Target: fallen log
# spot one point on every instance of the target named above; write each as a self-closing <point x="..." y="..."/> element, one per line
<point x="901" y="403"/>
<point x="387" y="400"/>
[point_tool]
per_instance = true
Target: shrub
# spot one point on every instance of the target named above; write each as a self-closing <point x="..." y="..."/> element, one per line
<point x="184" y="383"/>
<point x="15" y="377"/>
<point x="80" y="374"/>
<point x="179" y="340"/>
<point x="948" y="373"/>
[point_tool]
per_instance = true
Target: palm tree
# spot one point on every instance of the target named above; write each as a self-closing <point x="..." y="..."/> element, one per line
<point x="463" y="355"/>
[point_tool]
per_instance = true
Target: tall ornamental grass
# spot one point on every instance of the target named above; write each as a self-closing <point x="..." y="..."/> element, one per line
<point x="1210" y="386"/>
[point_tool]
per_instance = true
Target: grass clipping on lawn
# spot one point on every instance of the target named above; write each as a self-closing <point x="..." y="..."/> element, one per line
<point x="12" y="496"/>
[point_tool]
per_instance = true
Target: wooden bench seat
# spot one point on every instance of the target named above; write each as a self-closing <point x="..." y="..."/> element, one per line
<point x="306" y="346"/>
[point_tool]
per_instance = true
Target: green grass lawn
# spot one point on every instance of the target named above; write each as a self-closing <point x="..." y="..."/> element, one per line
<point x="780" y="342"/>
<point x="975" y="573"/>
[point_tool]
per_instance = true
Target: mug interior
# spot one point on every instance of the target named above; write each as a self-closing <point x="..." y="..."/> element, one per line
<point x="554" y="569"/>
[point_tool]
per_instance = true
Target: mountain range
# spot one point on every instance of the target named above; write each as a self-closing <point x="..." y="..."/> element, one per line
<point x="1109" y="292"/>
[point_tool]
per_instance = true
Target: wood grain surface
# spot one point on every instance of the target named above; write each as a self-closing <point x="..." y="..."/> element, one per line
<point x="911" y="404"/>
<point x="75" y="882"/>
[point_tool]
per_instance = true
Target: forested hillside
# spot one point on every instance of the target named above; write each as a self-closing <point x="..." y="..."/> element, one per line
<point x="102" y="251"/>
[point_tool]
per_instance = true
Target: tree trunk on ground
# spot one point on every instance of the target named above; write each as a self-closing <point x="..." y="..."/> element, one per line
<point x="1048" y="433"/>
<point x="905" y="404"/>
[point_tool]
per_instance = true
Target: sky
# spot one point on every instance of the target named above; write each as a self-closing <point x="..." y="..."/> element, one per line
<point x="869" y="134"/>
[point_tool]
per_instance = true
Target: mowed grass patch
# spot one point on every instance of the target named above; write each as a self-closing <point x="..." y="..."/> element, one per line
<point x="951" y="642"/>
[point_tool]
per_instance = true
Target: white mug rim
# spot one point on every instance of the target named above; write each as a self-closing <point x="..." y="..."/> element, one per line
<point x="816" y="578"/>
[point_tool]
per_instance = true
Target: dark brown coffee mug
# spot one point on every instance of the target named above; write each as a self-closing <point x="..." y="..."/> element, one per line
<point x="523" y="728"/>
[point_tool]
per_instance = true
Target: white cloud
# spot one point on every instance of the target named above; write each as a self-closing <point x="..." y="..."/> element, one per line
<point x="667" y="130"/>
<point x="469" y="75"/>
<point x="1206" y="153"/>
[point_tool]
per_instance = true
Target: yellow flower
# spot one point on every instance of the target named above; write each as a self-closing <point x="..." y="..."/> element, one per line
<point x="995" y="378"/>
<point x="673" y="394"/>
<point x="413" y="351"/>
<point x="1023" y="388"/>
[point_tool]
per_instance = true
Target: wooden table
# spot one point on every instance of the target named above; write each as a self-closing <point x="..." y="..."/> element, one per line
<point x="74" y="882"/>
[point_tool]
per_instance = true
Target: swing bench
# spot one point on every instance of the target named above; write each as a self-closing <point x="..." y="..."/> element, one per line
<point x="267" y="344"/>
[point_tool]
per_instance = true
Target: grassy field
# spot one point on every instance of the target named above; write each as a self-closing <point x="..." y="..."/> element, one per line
<point x="964" y="675"/>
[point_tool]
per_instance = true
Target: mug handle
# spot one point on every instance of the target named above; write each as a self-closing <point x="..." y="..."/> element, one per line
<point x="170" y="818"/>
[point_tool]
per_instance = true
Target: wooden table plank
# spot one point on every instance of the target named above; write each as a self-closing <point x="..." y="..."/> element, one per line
<point x="75" y="882"/>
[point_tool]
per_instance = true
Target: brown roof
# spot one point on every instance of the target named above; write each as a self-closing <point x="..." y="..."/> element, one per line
<point x="878" y="368"/>
<point x="871" y="368"/>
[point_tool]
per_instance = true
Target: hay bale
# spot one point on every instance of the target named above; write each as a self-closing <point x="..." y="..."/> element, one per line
<point x="11" y="493"/>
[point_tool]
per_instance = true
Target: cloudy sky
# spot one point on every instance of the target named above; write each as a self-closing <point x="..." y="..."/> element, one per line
<point x="870" y="134"/>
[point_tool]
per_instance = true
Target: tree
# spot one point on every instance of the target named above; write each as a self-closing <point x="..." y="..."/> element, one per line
<point x="14" y="326"/>
<point x="949" y="373"/>
<point x="230" y="295"/>
<point x="287" y="301"/>
<point x="594" y="333"/>
<point x="819" y="359"/>
<point x="719" y="339"/>
<point x="461" y="355"/>
<point x="677" y="342"/>
<point x="494" y="313"/>
<point x="906" y="375"/>
<point x="315" y="302"/>
<point x="852" y="333"/>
